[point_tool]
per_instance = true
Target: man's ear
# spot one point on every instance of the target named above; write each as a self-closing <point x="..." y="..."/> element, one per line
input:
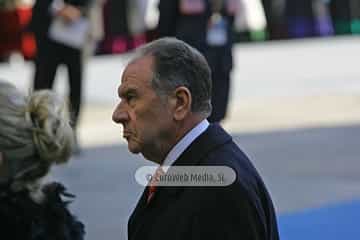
<point x="182" y="99"/>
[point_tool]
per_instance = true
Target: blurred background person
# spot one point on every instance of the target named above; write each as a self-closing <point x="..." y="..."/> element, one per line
<point x="275" y="19"/>
<point x="51" y="53"/>
<point x="96" y="28"/>
<point x="250" y="22"/>
<point x="8" y="28"/>
<point x="219" y="54"/>
<point x="115" y="27"/>
<point x="323" y="24"/>
<point x="136" y="19"/>
<point x="14" y="17"/>
<point x="208" y="26"/>
<point x="345" y="15"/>
<point x="35" y="134"/>
<point x="300" y="18"/>
<point x="308" y="18"/>
<point x="125" y="27"/>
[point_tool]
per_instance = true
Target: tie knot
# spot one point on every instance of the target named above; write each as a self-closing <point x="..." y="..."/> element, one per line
<point x="155" y="179"/>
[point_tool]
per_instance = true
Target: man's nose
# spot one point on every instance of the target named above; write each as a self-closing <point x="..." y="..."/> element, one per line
<point x="120" y="115"/>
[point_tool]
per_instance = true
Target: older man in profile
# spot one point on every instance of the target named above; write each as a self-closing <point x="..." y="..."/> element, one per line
<point x="165" y="98"/>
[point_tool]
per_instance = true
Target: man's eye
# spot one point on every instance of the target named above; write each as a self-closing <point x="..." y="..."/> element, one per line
<point x="129" y="97"/>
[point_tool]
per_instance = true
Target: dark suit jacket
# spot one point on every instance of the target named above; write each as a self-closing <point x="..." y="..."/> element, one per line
<point x="242" y="210"/>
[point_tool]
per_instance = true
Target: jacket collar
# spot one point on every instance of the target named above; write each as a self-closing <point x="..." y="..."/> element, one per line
<point x="213" y="137"/>
<point x="194" y="155"/>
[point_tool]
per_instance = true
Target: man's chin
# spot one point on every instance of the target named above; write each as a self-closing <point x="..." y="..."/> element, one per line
<point x="133" y="149"/>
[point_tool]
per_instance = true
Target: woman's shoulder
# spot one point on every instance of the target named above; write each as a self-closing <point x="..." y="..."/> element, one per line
<point x="27" y="219"/>
<point x="57" y="214"/>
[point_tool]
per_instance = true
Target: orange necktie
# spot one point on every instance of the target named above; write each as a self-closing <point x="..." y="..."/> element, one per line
<point x="153" y="183"/>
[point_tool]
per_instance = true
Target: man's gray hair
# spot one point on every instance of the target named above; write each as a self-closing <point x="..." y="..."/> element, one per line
<point x="178" y="64"/>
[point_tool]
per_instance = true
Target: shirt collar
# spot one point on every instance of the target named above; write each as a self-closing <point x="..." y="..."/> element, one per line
<point x="180" y="147"/>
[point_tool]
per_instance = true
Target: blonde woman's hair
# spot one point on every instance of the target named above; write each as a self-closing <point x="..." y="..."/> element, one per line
<point x="35" y="132"/>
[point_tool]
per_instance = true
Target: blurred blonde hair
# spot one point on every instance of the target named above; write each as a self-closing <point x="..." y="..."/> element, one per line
<point x="35" y="133"/>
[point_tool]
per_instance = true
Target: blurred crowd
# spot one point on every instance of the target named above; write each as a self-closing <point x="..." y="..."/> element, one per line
<point x="121" y="25"/>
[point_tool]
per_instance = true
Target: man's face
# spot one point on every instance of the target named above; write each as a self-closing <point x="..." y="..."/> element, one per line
<point x="147" y="120"/>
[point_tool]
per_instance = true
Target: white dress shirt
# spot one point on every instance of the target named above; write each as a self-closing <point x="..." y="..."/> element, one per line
<point x="180" y="147"/>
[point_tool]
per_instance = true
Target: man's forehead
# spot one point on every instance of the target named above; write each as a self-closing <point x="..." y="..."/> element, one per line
<point x="143" y="63"/>
<point x="138" y="71"/>
<point x="130" y="73"/>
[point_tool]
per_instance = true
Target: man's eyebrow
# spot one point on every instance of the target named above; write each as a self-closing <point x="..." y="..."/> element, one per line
<point x="126" y="91"/>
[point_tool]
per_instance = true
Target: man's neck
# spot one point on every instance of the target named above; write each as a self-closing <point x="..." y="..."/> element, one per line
<point x="182" y="129"/>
